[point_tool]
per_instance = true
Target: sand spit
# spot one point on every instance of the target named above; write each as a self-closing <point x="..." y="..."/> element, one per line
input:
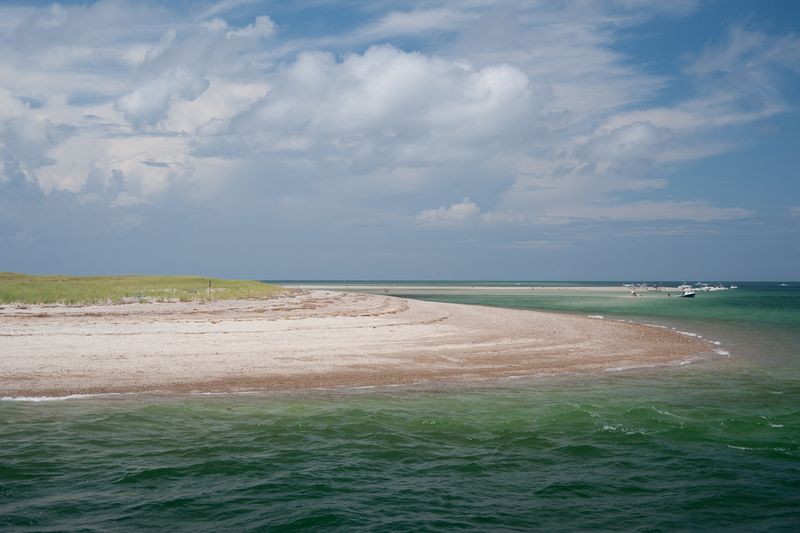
<point x="518" y="288"/>
<point x="307" y="339"/>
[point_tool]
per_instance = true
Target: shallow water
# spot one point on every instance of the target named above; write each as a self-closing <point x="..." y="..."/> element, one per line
<point x="760" y="322"/>
<point x="714" y="445"/>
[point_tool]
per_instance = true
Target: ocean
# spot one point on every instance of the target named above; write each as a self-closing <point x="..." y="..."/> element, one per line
<point x="706" y="446"/>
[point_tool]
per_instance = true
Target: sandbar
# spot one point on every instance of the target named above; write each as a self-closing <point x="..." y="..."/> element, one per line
<point x="308" y="339"/>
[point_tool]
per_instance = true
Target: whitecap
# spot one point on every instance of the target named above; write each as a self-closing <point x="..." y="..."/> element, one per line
<point x="630" y="367"/>
<point x="223" y="393"/>
<point x="765" y="449"/>
<point x="63" y="398"/>
<point x="619" y="428"/>
<point x="666" y="413"/>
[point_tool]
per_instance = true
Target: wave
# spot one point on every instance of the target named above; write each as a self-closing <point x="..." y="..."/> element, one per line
<point x="66" y="397"/>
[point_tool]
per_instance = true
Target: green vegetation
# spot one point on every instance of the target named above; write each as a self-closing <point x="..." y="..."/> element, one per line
<point x="27" y="289"/>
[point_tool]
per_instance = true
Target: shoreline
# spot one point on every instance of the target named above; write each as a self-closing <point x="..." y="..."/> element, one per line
<point x="464" y="289"/>
<point x="309" y="340"/>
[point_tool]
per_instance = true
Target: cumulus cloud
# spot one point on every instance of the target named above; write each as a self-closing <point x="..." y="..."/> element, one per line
<point x="467" y="212"/>
<point x="531" y="109"/>
<point x="216" y="25"/>
<point x="455" y="214"/>
<point x="222" y="100"/>
<point x="385" y="104"/>
<point x="262" y="27"/>
<point x="117" y="171"/>
<point x="148" y="104"/>
<point x="25" y="138"/>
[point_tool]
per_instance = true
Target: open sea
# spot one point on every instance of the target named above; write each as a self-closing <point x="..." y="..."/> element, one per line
<point x="713" y="445"/>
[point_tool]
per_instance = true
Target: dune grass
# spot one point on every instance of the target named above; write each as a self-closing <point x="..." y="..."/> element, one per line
<point x="76" y="290"/>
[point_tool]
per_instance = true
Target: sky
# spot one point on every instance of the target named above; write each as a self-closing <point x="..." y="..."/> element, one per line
<point x="477" y="139"/>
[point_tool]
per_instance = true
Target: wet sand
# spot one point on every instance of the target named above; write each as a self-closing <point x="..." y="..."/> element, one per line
<point x="306" y="340"/>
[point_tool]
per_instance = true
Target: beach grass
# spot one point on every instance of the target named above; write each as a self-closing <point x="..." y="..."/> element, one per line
<point x="79" y="290"/>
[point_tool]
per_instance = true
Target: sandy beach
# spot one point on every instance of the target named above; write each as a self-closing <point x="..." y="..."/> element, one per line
<point x="307" y="339"/>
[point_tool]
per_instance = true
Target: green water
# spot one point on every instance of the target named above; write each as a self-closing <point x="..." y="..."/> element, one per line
<point x="758" y="322"/>
<point x="713" y="445"/>
<point x="753" y="303"/>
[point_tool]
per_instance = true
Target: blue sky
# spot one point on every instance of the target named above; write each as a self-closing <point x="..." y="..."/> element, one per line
<point x="480" y="139"/>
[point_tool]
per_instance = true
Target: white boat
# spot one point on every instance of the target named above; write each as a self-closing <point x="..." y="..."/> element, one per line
<point x="688" y="293"/>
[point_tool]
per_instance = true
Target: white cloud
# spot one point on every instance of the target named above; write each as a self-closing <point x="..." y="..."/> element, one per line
<point x="134" y="169"/>
<point x="25" y="137"/>
<point x="746" y="51"/>
<point x="680" y="7"/>
<point x="455" y="214"/>
<point x="223" y="6"/>
<point x="383" y="105"/>
<point x="163" y="45"/>
<point x="148" y="104"/>
<point x="262" y="27"/>
<point x="530" y="108"/>
<point x="222" y="100"/>
<point x="216" y="25"/>
<point x="737" y="84"/>
<point x="632" y="141"/>
<point x="54" y="17"/>
<point x="467" y="212"/>
<point x="417" y="21"/>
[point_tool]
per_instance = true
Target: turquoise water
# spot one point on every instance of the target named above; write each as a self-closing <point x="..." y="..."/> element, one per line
<point x="714" y="445"/>
<point x="759" y="322"/>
